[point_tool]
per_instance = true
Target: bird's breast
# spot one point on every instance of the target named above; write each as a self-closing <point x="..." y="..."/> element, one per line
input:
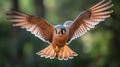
<point x="60" y="40"/>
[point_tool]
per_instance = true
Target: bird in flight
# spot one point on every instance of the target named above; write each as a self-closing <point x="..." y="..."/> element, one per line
<point x="60" y="36"/>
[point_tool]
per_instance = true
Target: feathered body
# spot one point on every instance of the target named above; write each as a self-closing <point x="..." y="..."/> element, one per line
<point x="61" y="39"/>
<point x="59" y="45"/>
<point x="60" y="36"/>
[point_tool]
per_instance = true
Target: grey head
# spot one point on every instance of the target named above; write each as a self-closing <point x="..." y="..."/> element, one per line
<point x="67" y="23"/>
<point x="60" y="29"/>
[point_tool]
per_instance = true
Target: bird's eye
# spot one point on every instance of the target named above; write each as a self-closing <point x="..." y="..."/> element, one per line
<point x="63" y="31"/>
<point x="55" y="31"/>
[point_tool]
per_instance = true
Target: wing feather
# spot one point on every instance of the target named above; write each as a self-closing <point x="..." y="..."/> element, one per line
<point x="89" y="18"/>
<point x="37" y="26"/>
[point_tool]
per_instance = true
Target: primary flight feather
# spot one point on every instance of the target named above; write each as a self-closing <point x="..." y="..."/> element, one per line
<point x="60" y="35"/>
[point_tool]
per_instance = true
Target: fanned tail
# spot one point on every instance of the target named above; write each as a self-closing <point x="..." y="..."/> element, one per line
<point x="63" y="53"/>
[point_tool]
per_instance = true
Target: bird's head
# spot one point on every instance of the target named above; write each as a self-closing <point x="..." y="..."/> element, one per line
<point x="59" y="29"/>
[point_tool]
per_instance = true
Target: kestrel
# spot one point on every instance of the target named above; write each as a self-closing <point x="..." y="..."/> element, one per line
<point x="60" y="36"/>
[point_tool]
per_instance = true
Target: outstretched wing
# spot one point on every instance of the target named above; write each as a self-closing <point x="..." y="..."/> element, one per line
<point x="89" y="18"/>
<point x="37" y="26"/>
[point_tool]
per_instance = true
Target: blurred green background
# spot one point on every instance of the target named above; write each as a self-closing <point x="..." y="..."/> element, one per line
<point x="99" y="47"/>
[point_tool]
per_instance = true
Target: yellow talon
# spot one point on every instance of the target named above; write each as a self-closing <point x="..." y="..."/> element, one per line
<point x="57" y="49"/>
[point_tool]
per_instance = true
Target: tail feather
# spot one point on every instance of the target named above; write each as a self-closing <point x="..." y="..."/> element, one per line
<point x="65" y="53"/>
<point x="48" y="52"/>
<point x="71" y="52"/>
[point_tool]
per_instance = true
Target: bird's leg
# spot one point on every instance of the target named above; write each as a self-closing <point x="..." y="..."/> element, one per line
<point x="58" y="49"/>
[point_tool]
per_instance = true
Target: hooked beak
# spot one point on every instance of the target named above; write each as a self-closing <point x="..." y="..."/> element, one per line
<point x="58" y="31"/>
